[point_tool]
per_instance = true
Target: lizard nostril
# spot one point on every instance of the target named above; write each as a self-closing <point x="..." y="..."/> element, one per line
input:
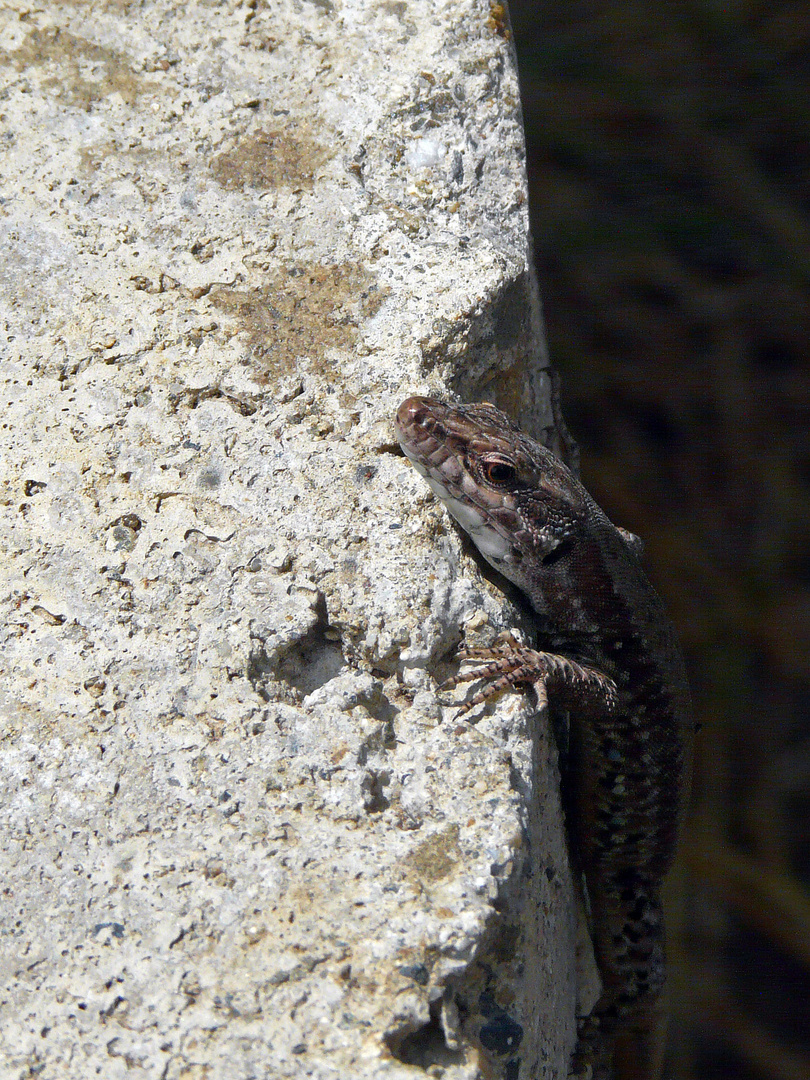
<point x="412" y="412"/>
<point x="417" y="416"/>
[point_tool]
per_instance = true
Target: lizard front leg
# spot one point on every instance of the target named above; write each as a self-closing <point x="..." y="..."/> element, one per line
<point x="508" y="665"/>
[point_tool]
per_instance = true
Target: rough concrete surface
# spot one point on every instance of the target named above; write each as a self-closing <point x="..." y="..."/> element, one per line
<point x="241" y="837"/>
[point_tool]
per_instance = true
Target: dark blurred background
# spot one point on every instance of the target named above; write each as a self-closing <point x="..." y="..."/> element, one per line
<point x="669" y="165"/>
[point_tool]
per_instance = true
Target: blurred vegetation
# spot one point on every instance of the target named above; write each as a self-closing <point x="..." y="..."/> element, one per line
<point x="669" y="163"/>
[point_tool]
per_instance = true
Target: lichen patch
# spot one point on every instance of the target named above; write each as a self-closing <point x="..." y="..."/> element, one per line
<point x="296" y="319"/>
<point x="271" y="159"/>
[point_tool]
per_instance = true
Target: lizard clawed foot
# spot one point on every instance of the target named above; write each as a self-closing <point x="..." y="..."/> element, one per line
<point x="508" y="665"/>
<point x="505" y="665"/>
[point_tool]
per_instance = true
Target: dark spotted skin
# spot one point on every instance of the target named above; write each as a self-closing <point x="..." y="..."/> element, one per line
<point x="610" y="661"/>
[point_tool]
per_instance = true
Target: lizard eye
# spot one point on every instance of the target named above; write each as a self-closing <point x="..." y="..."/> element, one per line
<point x="498" y="471"/>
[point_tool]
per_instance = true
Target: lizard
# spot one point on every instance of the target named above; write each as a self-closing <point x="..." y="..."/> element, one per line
<point x="609" y="659"/>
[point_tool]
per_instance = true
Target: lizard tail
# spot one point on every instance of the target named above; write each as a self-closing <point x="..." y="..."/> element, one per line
<point x="624" y="1036"/>
<point x="639" y="1048"/>
<point x="635" y="1051"/>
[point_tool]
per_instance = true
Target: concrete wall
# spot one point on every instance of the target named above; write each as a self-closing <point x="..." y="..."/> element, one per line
<point x="241" y="837"/>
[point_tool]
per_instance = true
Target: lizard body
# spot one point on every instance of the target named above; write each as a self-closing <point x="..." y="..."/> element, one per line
<point x="612" y="663"/>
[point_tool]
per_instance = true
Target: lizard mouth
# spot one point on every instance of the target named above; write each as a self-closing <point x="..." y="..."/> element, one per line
<point x="427" y="443"/>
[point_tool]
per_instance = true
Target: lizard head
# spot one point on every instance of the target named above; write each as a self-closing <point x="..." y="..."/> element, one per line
<point x="522" y="508"/>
